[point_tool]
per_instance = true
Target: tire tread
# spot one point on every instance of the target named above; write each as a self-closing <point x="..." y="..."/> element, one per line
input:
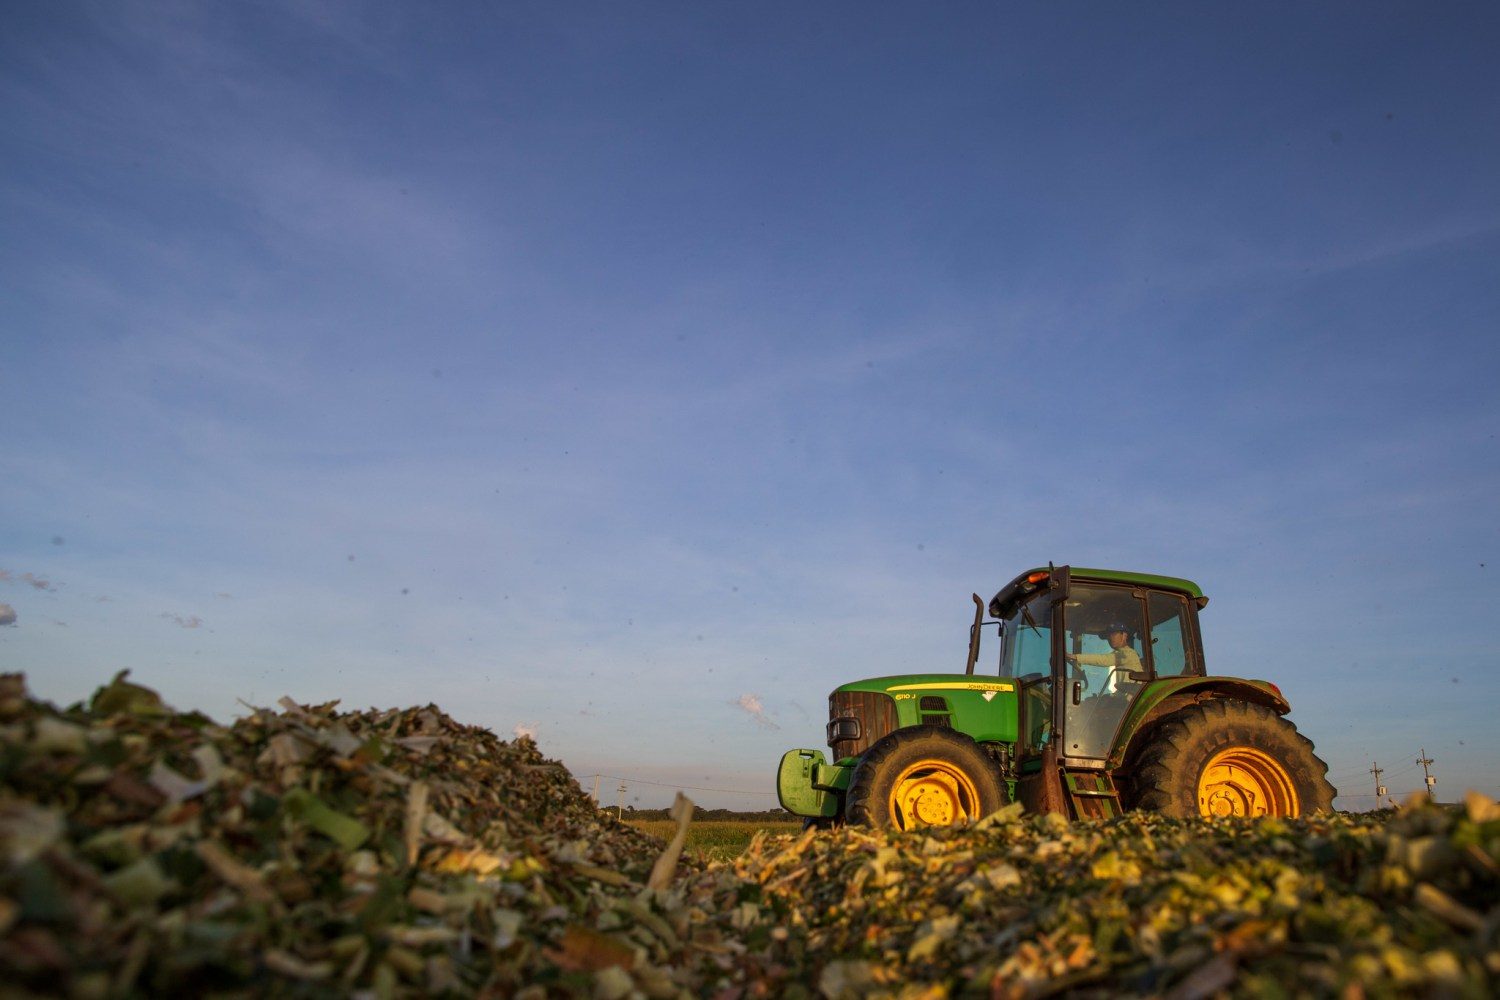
<point x="1164" y="775"/>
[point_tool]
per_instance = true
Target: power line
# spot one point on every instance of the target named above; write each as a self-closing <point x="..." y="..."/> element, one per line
<point x="693" y="788"/>
<point x="1360" y="775"/>
<point x="1372" y="795"/>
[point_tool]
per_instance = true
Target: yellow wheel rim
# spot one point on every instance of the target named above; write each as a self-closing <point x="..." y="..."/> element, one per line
<point x="1241" y="781"/>
<point x="933" y="793"/>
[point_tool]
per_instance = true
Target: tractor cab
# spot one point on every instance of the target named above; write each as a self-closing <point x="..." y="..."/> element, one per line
<point x="1082" y="646"/>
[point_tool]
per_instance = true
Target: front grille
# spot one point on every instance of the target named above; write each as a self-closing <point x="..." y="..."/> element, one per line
<point x="876" y="713"/>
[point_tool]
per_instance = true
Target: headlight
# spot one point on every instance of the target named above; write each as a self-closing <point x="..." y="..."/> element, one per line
<point x="845" y="728"/>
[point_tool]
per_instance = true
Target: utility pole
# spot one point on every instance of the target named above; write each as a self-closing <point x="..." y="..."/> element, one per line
<point x="620" y="807"/>
<point x="1377" y="770"/>
<point x="1424" y="760"/>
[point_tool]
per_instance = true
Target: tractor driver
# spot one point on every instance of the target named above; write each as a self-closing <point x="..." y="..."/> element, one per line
<point x="1122" y="659"/>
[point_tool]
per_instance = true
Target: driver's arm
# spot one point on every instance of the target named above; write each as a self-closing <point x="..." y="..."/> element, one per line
<point x="1126" y="662"/>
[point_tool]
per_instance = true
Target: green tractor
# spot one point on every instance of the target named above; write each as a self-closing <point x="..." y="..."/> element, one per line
<point x="1101" y="702"/>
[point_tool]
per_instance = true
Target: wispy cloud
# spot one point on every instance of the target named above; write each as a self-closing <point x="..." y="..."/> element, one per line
<point x="7" y="615"/>
<point x="525" y="730"/>
<point x="38" y="582"/>
<point x="751" y="705"/>
<point x="190" y="621"/>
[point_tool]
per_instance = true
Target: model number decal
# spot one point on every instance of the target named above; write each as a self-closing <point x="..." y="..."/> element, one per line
<point x="954" y="686"/>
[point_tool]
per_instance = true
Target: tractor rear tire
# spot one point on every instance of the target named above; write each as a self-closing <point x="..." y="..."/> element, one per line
<point x="924" y="776"/>
<point x="1230" y="758"/>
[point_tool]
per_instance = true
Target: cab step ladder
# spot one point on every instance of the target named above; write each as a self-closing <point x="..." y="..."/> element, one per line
<point x="1092" y="794"/>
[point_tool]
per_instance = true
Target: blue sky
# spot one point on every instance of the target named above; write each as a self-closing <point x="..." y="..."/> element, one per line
<point x="634" y="374"/>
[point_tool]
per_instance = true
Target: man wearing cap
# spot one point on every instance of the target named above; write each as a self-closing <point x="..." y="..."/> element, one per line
<point x="1122" y="659"/>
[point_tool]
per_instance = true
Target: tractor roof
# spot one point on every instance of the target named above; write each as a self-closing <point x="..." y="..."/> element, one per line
<point x="1027" y="582"/>
<point x="1188" y="587"/>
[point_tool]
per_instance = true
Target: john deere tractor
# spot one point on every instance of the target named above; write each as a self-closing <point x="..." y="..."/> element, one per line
<point x="1099" y="701"/>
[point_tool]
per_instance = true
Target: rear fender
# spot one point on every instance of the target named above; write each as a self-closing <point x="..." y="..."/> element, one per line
<point x="1163" y="697"/>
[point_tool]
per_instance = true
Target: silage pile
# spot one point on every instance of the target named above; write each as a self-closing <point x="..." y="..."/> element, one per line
<point x="309" y="851"/>
<point x="1342" y="905"/>
<point x="314" y="852"/>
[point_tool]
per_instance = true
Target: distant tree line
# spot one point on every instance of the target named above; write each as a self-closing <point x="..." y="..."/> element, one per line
<point x="718" y="815"/>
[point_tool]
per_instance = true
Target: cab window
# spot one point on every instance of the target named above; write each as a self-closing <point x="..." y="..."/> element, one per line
<point x="1094" y="614"/>
<point x="1168" y="636"/>
<point x="1028" y="642"/>
<point x="1028" y="658"/>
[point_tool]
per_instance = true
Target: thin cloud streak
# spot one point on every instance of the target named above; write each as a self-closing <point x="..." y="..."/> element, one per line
<point x="30" y="579"/>
<point x="752" y="706"/>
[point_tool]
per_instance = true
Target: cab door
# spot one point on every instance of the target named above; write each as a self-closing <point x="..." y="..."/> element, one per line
<point x="1028" y="660"/>
<point x="1100" y="675"/>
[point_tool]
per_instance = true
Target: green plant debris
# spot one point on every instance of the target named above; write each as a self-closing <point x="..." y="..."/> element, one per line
<point x="313" y="852"/>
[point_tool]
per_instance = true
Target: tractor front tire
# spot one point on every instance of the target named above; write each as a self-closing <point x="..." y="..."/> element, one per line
<point x="822" y="822"/>
<point x="1230" y="758"/>
<point x="923" y="776"/>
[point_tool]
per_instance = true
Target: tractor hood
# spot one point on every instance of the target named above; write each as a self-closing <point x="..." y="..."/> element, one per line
<point x="862" y="712"/>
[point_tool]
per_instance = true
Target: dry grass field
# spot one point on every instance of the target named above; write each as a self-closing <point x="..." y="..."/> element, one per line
<point x="714" y="840"/>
